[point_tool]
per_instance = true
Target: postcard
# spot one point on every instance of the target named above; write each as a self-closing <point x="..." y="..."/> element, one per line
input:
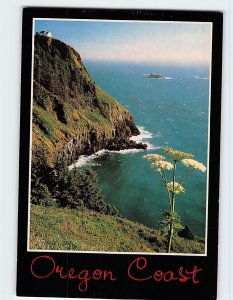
<point x="119" y="154"/>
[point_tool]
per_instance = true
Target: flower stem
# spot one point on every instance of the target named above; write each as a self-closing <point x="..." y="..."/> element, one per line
<point x="185" y="176"/>
<point x="172" y="210"/>
<point x="163" y="175"/>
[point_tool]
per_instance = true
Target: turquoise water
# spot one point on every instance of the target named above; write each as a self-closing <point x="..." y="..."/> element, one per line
<point x="172" y="112"/>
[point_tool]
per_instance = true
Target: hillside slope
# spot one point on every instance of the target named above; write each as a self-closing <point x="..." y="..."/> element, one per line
<point x="72" y="115"/>
<point x="64" y="229"/>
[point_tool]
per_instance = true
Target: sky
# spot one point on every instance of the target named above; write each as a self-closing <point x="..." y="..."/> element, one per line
<point x="135" y="41"/>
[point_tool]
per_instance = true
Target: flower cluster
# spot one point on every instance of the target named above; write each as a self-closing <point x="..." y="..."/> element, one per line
<point x="162" y="165"/>
<point x="191" y="163"/>
<point x="176" y="154"/>
<point x="154" y="157"/>
<point x="176" y="189"/>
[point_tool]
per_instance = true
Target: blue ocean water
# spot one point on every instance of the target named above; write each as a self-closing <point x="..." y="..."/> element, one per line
<point x="171" y="112"/>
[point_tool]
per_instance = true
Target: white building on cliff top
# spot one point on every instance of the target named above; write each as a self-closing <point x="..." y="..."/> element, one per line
<point x="45" y="33"/>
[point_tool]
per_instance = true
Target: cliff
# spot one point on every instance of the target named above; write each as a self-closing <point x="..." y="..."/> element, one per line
<point x="72" y="115"/>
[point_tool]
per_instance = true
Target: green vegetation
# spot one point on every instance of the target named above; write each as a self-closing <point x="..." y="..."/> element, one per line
<point x="171" y="220"/>
<point x="55" y="228"/>
<point x="59" y="186"/>
<point x="94" y="117"/>
<point x="106" y="99"/>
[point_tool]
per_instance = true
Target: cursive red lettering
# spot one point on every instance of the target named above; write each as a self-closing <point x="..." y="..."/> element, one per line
<point x="158" y="276"/>
<point x="110" y="275"/>
<point x="84" y="276"/>
<point x="49" y="267"/>
<point x="44" y="258"/>
<point x="71" y="272"/>
<point x="97" y="274"/>
<point x="194" y="273"/>
<point x="59" y="270"/>
<point x="140" y="263"/>
<point x="170" y="276"/>
<point x="183" y="278"/>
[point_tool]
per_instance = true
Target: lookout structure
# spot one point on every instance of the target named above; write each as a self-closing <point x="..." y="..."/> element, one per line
<point x="44" y="33"/>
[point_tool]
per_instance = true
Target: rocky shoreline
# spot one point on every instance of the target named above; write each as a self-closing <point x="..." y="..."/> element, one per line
<point x="123" y="144"/>
<point x="77" y="147"/>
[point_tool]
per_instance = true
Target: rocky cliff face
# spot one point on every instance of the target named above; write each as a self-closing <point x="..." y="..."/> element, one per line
<point x="71" y="114"/>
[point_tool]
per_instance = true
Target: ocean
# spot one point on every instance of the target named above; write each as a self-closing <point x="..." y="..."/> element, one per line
<point x="169" y="112"/>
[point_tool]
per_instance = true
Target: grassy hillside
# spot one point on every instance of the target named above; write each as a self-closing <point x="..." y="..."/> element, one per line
<point x="55" y="228"/>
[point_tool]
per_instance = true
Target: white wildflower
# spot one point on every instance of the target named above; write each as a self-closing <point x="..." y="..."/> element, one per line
<point x="191" y="163"/>
<point x="176" y="154"/>
<point x="154" y="157"/>
<point x="162" y="165"/>
<point x="177" y="189"/>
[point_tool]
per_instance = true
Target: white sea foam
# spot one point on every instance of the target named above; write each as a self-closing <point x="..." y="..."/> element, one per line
<point x="143" y="137"/>
<point x="151" y="146"/>
<point x="144" y="134"/>
<point x="85" y="159"/>
<point x="199" y="77"/>
<point x="125" y="151"/>
<point x="164" y="78"/>
<point x="91" y="159"/>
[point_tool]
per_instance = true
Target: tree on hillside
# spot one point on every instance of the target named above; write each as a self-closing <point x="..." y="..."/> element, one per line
<point x="78" y="188"/>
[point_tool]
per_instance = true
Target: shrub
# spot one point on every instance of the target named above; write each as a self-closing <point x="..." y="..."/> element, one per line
<point x="40" y="195"/>
<point x="78" y="188"/>
<point x="186" y="233"/>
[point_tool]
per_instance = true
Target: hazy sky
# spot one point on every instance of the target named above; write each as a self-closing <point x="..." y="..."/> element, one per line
<point x="152" y="42"/>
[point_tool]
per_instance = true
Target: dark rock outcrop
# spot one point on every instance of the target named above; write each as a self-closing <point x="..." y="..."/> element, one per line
<point x="154" y="76"/>
<point x="123" y="144"/>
